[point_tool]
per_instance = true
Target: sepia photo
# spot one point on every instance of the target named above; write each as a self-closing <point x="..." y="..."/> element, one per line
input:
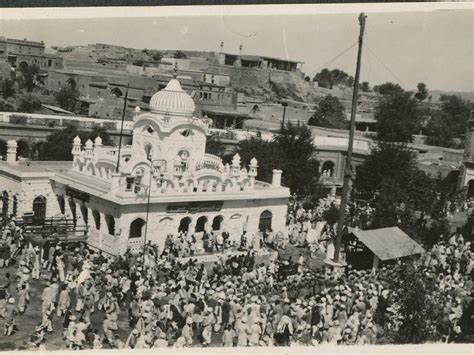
<point x="230" y="177"/>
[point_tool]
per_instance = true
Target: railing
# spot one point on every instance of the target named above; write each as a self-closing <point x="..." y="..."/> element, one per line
<point x="210" y="162"/>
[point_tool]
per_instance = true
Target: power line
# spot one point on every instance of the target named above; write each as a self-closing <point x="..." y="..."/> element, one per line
<point x="386" y="67"/>
<point x="333" y="59"/>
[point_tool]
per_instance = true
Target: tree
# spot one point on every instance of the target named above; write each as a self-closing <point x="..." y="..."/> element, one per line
<point x="398" y="117"/>
<point x="330" y="113"/>
<point x="180" y="55"/>
<point x="28" y="77"/>
<point x="449" y="122"/>
<point x="390" y="176"/>
<point x="297" y="150"/>
<point x="215" y="146"/>
<point x="365" y="86"/>
<point x="422" y="93"/>
<point x="3" y="149"/>
<point x="28" y="103"/>
<point x="58" y="146"/>
<point x="328" y="78"/>
<point x="292" y="151"/>
<point x="23" y="149"/>
<point x="8" y="88"/>
<point x="156" y="56"/>
<point x="388" y="89"/>
<point x="67" y="97"/>
<point x="415" y="299"/>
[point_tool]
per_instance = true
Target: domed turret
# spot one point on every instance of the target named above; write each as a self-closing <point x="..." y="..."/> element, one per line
<point x="172" y="99"/>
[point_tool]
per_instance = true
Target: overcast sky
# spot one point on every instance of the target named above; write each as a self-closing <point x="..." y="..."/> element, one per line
<point x="432" y="47"/>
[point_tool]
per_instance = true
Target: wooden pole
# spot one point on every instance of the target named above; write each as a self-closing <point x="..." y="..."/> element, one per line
<point x="121" y="129"/>
<point x="348" y="169"/>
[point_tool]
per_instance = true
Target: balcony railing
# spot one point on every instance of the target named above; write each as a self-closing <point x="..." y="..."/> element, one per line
<point x="210" y="162"/>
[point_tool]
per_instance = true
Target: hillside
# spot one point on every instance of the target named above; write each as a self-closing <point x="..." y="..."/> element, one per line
<point x="466" y="95"/>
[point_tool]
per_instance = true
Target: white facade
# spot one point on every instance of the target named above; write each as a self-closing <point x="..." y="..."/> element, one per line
<point x="165" y="177"/>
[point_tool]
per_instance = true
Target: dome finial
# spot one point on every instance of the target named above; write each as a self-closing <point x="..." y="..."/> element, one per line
<point x="175" y="70"/>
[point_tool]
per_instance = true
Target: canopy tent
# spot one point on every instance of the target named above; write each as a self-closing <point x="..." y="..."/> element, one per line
<point x="388" y="243"/>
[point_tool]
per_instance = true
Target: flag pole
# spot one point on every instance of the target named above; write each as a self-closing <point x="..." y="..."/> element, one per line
<point x="121" y="129"/>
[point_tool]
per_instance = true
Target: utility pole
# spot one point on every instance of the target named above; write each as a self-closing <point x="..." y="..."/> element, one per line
<point x="121" y="129"/>
<point x="147" y="210"/>
<point x="284" y="104"/>
<point x="348" y="169"/>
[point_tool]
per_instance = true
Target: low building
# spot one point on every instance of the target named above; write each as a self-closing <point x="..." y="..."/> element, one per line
<point x="164" y="183"/>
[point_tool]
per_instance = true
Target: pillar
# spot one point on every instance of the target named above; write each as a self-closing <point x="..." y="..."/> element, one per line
<point x="276" y="178"/>
<point x="79" y="218"/>
<point x="11" y="151"/>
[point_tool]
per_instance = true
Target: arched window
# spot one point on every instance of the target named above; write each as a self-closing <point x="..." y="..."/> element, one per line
<point x="72" y="206"/>
<point x="96" y="216"/>
<point x="265" y="222"/>
<point x="15" y="206"/>
<point x="136" y="228"/>
<point x="71" y="83"/>
<point x="85" y="215"/>
<point x="110" y="224"/>
<point x="39" y="209"/>
<point x="5" y="199"/>
<point x="328" y="168"/>
<point x="184" y="225"/>
<point x="217" y="223"/>
<point x="201" y="224"/>
<point x="148" y="150"/>
<point x="61" y="204"/>
<point x="116" y="92"/>
<point x="470" y="189"/>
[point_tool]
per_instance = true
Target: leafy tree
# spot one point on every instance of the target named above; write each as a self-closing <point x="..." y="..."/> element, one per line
<point x="267" y="154"/>
<point x="330" y="113"/>
<point x="180" y="55"/>
<point x="215" y="146"/>
<point x="398" y="117"/>
<point x="449" y="122"/>
<point x="295" y="143"/>
<point x="414" y="292"/>
<point x="23" y="149"/>
<point x="390" y="175"/>
<point x="365" y="86"/>
<point x="157" y="56"/>
<point x="28" y="77"/>
<point x="28" y="103"/>
<point x="8" y="88"/>
<point x="328" y="78"/>
<point x="58" y="145"/>
<point x="422" y="93"/>
<point x="388" y="89"/>
<point x="6" y="106"/>
<point x="67" y="97"/>
<point x="292" y="151"/>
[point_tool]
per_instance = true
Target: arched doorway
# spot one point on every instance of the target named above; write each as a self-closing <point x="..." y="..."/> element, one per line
<point x="62" y="204"/>
<point x="110" y="224"/>
<point x="217" y="223"/>
<point x="85" y="215"/>
<point x="39" y="209"/>
<point x="136" y="228"/>
<point x="71" y="83"/>
<point x="184" y="225"/>
<point x="116" y="92"/>
<point x="72" y="206"/>
<point x="96" y="216"/>
<point x="23" y="67"/>
<point x="470" y="189"/>
<point x="328" y="168"/>
<point x="15" y="206"/>
<point x="5" y="199"/>
<point x="265" y="221"/>
<point x="201" y="224"/>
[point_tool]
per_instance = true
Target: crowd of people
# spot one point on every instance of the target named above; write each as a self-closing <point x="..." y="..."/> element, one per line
<point x="153" y="300"/>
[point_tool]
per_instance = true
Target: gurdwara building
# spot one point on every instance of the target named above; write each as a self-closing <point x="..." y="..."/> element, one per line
<point x="163" y="183"/>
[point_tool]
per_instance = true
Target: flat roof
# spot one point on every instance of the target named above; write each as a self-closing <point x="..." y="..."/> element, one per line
<point x="33" y="168"/>
<point x="388" y="243"/>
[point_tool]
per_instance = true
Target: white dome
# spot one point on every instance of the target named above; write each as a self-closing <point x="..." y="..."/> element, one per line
<point x="173" y="100"/>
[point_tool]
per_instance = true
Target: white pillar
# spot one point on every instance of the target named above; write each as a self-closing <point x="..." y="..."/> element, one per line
<point x="276" y="178"/>
<point x="11" y="151"/>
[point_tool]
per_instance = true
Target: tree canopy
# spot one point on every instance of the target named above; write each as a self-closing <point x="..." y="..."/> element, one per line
<point x="292" y="151"/>
<point x="28" y="75"/>
<point x="388" y="89"/>
<point x="58" y="146"/>
<point x="398" y="116"/>
<point x="28" y="103"/>
<point x="328" y="78"/>
<point x="67" y="97"/>
<point x="330" y="113"/>
<point x="7" y="88"/>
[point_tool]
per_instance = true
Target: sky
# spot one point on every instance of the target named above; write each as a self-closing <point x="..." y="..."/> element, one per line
<point x="434" y="47"/>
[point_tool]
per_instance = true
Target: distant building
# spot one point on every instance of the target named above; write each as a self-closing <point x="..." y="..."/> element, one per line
<point x="23" y="53"/>
<point x="255" y="61"/>
<point x="467" y="171"/>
